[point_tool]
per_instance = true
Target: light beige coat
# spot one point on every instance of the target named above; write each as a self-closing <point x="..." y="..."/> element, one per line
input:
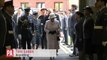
<point x="52" y="42"/>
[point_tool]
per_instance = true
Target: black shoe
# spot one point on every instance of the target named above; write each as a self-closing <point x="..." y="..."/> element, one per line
<point x="53" y="58"/>
<point x="30" y="58"/>
<point x="23" y="58"/>
<point x="50" y="58"/>
<point x="56" y="54"/>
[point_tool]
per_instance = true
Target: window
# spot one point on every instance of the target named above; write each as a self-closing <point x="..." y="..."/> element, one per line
<point x="58" y="5"/>
<point x="24" y="4"/>
<point x="40" y="5"/>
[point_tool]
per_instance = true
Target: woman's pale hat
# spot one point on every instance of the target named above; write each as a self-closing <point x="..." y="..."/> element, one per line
<point x="52" y="15"/>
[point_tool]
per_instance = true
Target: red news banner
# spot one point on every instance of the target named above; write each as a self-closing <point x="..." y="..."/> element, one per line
<point x="30" y="53"/>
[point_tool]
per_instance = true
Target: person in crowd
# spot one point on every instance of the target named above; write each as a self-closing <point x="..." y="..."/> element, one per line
<point x="100" y="30"/>
<point x="37" y="37"/>
<point x="43" y="17"/>
<point x="10" y="41"/>
<point x="56" y="14"/>
<point x="64" y="26"/>
<point x="24" y="26"/>
<point x="16" y="18"/>
<point x="88" y="28"/>
<point x="49" y="11"/>
<point x="52" y="28"/>
<point x="18" y="13"/>
<point x="79" y="33"/>
<point x="3" y="28"/>
<point x="71" y="23"/>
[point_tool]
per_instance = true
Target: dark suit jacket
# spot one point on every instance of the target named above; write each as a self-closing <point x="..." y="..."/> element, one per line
<point x="2" y="31"/>
<point x="15" y="25"/>
<point x="24" y="28"/>
<point x="88" y="27"/>
<point x="9" y="36"/>
<point x="71" y="23"/>
<point x="101" y="20"/>
<point x="79" y="34"/>
<point x="43" y="20"/>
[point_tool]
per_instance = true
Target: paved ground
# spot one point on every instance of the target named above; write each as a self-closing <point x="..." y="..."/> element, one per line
<point x="63" y="54"/>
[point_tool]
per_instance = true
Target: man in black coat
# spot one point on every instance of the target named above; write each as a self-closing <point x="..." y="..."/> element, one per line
<point x="24" y="29"/>
<point x="100" y="30"/>
<point x="24" y="26"/>
<point x="2" y="27"/>
<point x="43" y="17"/>
<point x="8" y="11"/>
<point x="88" y="27"/>
<point x="71" y="23"/>
<point x="79" y="34"/>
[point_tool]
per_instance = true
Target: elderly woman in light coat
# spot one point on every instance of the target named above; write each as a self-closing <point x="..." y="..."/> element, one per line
<point x="52" y="28"/>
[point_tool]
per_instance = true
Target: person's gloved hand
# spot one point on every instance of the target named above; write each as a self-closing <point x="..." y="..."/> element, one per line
<point x="20" y="36"/>
<point x="52" y="32"/>
<point x="104" y="43"/>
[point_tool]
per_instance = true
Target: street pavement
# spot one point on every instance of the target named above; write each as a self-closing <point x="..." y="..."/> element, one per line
<point x="63" y="54"/>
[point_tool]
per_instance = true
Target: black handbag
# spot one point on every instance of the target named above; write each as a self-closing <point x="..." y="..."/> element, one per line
<point x="52" y="32"/>
<point x="58" y="38"/>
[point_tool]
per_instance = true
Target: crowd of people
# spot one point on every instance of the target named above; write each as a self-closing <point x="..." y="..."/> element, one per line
<point x="87" y="29"/>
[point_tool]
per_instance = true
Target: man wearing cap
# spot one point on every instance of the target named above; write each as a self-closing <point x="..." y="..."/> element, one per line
<point x="24" y="30"/>
<point x="8" y="9"/>
<point x="100" y="30"/>
<point x="36" y="23"/>
<point x="2" y="28"/>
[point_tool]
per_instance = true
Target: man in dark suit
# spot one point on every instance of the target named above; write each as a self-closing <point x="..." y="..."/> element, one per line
<point x="2" y="27"/>
<point x="100" y="30"/>
<point x="64" y="19"/>
<point x="79" y="34"/>
<point x="15" y="25"/>
<point x="71" y="23"/>
<point x="88" y="27"/>
<point x="43" y="17"/>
